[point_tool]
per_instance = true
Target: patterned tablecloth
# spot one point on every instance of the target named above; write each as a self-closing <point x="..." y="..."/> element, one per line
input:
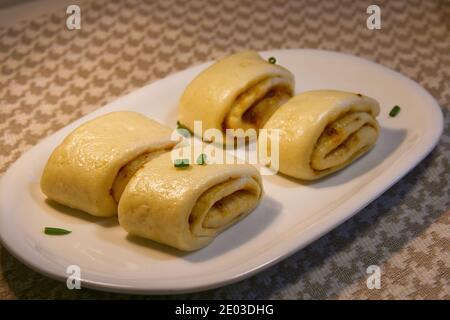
<point x="50" y="76"/>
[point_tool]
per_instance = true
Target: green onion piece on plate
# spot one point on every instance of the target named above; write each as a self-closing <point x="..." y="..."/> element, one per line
<point x="56" y="231"/>
<point x="394" y="111"/>
<point x="272" y="60"/>
<point x="183" y="130"/>
<point x="180" y="126"/>
<point x="181" y="163"/>
<point x="201" y="160"/>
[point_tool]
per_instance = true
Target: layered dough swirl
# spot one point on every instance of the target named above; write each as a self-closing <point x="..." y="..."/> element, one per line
<point x="187" y="208"/>
<point x="93" y="164"/>
<point x="240" y="91"/>
<point x="322" y="131"/>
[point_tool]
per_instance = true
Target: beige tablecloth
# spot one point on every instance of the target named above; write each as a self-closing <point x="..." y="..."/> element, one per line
<point x="50" y="76"/>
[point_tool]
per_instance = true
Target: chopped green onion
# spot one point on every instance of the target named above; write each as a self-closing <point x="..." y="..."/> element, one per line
<point x="180" y="126"/>
<point x="183" y="130"/>
<point x="181" y="163"/>
<point x="56" y="231"/>
<point x="272" y="60"/>
<point x="394" y="111"/>
<point x="201" y="160"/>
<point x="359" y="95"/>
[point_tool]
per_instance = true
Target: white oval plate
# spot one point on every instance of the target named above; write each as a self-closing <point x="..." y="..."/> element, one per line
<point x="290" y="216"/>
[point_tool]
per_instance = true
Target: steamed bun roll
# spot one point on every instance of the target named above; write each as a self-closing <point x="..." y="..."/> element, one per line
<point x="323" y="131"/>
<point x="93" y="164"/>
<point x="187" y="208"/>
<point x="240" y="91"/>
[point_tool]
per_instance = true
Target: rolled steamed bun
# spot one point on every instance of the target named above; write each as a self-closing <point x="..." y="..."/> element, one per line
<point x="187" y="208"/>
<point x="323" y="131"/>
<point x="240" y="91"/>
<point x="93" y="164"/>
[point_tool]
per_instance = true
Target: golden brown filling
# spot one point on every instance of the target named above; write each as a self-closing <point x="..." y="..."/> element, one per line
<point x="223" y="204"/>
<point x="257" y="115"/>
<point x="256" y="105"/>
<point x="344" y="139"/>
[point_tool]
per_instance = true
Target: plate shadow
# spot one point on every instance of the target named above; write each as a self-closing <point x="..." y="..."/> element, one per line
<point x="101" y="221"/>
<point x="252" y="225"/>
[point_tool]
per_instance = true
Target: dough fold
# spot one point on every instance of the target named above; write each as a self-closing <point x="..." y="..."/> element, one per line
<point x="186" y="208"/>
<point x="240" y="91"/>
<point x="93" y="164"/>
<point x="323" y="131"/>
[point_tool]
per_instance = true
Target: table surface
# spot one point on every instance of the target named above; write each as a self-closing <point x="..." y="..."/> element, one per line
<point x="50" y="76"/>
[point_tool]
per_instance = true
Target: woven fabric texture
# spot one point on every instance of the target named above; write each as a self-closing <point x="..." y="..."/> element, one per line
<point x="50" y="76"/>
